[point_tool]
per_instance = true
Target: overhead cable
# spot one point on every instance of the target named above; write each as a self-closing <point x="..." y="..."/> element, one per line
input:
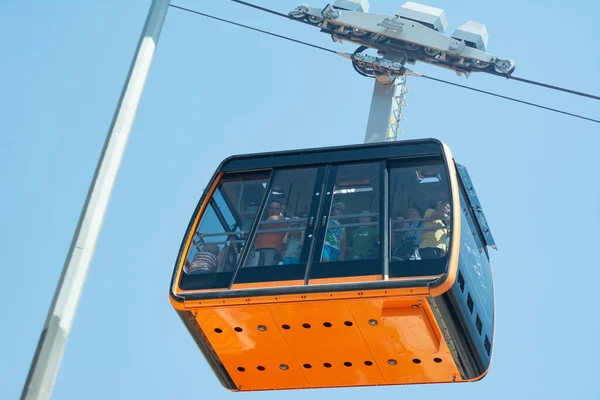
<point x="510" y="98"/>
<point x="575" y="92"/>
<point x="279" y="14"/>
<point x="254" y="29"/>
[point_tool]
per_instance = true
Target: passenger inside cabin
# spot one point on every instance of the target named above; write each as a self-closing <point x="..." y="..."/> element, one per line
<point x="364" y="239"/>
<point x="335" y="238"/>
<point x="293" y="241"/>
<point x="228" y="255"/>
<point x="268" y="246"/>
<point x="434" y="241"/>
<point x="204" y="261"/>
<point x="408" y="236"/>
<point x="277" y="194"/>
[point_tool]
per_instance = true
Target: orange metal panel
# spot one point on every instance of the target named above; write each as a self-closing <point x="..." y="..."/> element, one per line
<point x="251" y="348"/>
<point x="331" y="343"/>
<point x="404" y="341"/>
<point x="326" y="342"/>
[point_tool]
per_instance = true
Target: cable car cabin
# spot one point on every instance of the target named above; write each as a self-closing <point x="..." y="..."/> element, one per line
<point x="348" y="266"/>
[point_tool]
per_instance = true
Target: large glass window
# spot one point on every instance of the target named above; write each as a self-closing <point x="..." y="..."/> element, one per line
<point x="279" y="250"/>
<point x="419" y="219"/>
<point x="268" y="226"/>
<point x="350" y="244"/>
<point x="221" y="235"/>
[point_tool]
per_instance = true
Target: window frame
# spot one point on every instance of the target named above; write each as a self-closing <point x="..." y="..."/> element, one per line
<point x="321" y="230"/>
<point x="388" y="153"/>
<point x="414" y="270"/>
<point x="315" y="202"/>
<point x="209" y="203"/>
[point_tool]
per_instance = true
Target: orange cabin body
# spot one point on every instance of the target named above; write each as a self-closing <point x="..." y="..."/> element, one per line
<point x="378" y="311"/>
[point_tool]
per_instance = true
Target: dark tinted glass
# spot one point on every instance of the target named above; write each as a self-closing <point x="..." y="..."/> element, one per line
<point x="351" y="240"/>
<point x="278" y="249"/>
<point x="420" y="219"/>
<point x="223" y="230"/>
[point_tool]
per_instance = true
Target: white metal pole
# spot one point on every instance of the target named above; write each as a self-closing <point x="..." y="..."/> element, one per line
<point x="386" y="114"/>
<point x="53" y="340"/>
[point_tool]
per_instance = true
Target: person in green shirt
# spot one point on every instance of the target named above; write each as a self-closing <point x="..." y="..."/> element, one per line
<point x="364" y="239"/>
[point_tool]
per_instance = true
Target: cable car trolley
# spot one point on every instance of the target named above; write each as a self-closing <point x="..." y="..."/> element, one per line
<point x="360" y="265"/>
<point x="336" y="267"/>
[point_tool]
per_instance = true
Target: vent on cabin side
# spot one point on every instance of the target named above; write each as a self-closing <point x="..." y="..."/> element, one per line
<point x="461" y="281"/>
<point x="470" y="303"/>
<point x="487" y="345"/>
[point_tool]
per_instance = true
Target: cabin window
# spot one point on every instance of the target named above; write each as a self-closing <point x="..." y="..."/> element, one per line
<point x="323" y="224"/>
<point x="419" y="211"/>
<point x="350" y="237"/>
<point x="222" y="232"/>
<point x="281" y="240"/>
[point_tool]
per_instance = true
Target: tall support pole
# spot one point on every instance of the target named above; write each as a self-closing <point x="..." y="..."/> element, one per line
<point x="46" y="361"/>
<point x="386" y="109"/>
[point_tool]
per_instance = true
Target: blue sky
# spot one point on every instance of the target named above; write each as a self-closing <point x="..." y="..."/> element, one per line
<point x="216" y="90"/>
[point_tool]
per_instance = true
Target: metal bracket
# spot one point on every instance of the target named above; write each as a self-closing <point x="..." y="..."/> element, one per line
<point x="397" y="34"/>
<point x="398" y="104"/>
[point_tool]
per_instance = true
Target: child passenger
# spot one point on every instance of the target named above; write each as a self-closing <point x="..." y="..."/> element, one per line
<point x="408" y="237"/>
<point x="335" y="238"/>
<point x="293" y="241"/>
<point x="205" y="261"/>
<point x="363" y="242"/>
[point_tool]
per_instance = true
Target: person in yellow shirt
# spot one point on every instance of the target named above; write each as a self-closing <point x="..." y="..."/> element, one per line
<point x="434" y="242"/>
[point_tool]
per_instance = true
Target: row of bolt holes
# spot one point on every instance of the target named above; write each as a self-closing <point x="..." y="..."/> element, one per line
<point x="285" y="367"/>
<point x="263" y="328"/>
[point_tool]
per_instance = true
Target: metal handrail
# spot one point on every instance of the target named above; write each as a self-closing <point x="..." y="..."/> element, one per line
<point x="353" y="225"/>
<point x="433" y="228"/>
<point x="354" y="216"/>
